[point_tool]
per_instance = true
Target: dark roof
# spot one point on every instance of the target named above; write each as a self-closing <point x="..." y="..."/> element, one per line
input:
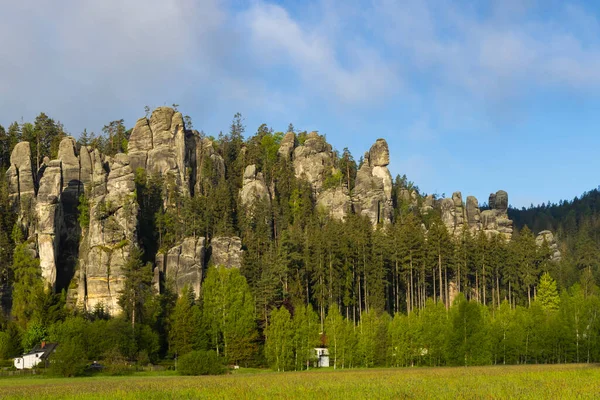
<point x="47" y="350"/>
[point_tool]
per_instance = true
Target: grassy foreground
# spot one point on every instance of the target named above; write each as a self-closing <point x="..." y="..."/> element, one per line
<point x="530" y="382"/>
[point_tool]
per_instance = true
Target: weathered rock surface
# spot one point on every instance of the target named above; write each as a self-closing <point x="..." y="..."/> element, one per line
<point x="111" y="234"/>
<point x="336" y="202"/>
<point x="20" y="173"/>
<point x="495" y="220"/>
<point x="313" y="160"/>
<point x="183" y="264"/>
<point x="254" y="190"/>
<point x="548" y="237"/>
<point x="428" y="204"/>
<point x="226" y="251"/>
<point x="457" y="215"/>
<point x="49" y="220"/>
<point x="286" y="147"/>
<point x="372" y="194"/>
<point x="159" y="146"/>
<point x="473" y="214"/>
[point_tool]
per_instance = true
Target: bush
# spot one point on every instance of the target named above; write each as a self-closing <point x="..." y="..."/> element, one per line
<point x="68" y="360"/>
<point x="200" y="363"/>
<point x="116" y="364"/>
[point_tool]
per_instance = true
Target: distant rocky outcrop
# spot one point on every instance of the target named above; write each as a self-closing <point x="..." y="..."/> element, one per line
<point x="548" y="237"/>
<point x="313" y="160"/>
<point x="336" y="202"/>
<point x="372" y="194"/>
<point x="495" y="220"/>
<point x="254" y="190"/>
<point x="183" y="264"/>
<point x="458" y="216"/>
<point x="111" y="234"/>
<point x="226" y="251"/>
<point x="159" y="146"/>
<point x="287" y="145"/>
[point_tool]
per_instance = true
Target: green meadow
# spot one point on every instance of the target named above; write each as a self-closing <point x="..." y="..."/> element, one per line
<point x="577" y="381"/>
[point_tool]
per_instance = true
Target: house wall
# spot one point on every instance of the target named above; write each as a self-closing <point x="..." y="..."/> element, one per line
<point x="28" y="361"/>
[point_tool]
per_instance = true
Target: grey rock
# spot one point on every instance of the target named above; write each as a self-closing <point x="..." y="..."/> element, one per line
<point x="286" y="147"/>
<point x="372" y="194"/>
<point x="548" y="238"/>
<point x="336" y="202"/>
<point x="21" y="183"/>
<point x="254" y="190"/>
<point x="313" y="160"/>
<point x="184" y="264"/>
<point x="473" y="214"/>
<point x="226" y="251"/>
<point x="379" y="155"/>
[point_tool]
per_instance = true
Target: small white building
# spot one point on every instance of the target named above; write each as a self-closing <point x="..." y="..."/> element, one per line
<point x="322" y="357"/>
<point x="35" y="356"/>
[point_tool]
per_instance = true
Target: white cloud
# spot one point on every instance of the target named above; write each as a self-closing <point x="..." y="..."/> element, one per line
<point x="313" y="55"/>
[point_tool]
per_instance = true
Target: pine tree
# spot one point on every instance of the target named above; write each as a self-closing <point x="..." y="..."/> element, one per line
<point x="547" y="293"/>
<point x="185" y="324"/>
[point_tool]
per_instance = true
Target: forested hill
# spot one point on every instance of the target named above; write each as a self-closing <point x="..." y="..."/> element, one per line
<point x="190" y="241"/>
<point x="564" y="218"/>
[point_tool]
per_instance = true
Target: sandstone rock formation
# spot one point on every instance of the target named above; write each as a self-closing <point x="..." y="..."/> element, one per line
<point x="336" y="202"/>
<point x="49" y="220"/>
<point x="372" y="194"/>
<point x="111" y="234"/>
<point x="548" y="237"/>
<point x="22" y="184"/>
<point x="473" y="214"/>
<point x="428" y="204"/>
<point x="313" y="160"/>
<point x="495" y="220"/>
<point x="183" y="264"/>
<point x="254" y="189"/>
<point x="226" y="251"/>
<point x="158" y="145"/>
<point x="457" y="215"/>
<point x="286" y="147"/>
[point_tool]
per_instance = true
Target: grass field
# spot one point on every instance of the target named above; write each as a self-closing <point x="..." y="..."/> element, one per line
<point x="529" y="382"/>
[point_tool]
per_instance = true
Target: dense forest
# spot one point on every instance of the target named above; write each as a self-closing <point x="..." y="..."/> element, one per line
<point x="397" y="291"/>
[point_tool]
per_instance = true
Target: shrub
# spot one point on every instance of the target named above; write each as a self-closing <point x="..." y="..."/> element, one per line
<point x="68" y="360"/>
<point x="200" y="363"/>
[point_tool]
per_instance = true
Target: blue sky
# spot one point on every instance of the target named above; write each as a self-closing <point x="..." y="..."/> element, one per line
<point x="471" y="96"/>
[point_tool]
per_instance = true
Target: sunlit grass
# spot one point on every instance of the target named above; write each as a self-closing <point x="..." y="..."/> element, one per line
<point x="529" y="382"/>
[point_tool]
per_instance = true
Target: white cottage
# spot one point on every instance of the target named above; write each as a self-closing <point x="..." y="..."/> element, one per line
<point x="35" y="356"/>
<point x="322" y="357"/>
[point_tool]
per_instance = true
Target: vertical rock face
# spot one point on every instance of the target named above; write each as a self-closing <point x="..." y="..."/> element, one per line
<point x="455" y="215"/>
<point x="226" y="251"/>
<point x="20" y="173"/>
<point x="428" y="204"/>
<point x="49" y="220"/>
<point x="254" y="190"/>
<point x="313" y="160"/>
<point x="495" y="220"/>
<point x="372" y="194"/>
<point x="548" y="237"/>
<point x="22" y="184"/>
<point x="473" y="214"/>
<point x="159" y="146"/>
<point x="111" y="233"/>
<point x="184" y="264"/>
<point x="286" y="147"/>
<point x="336" y="202"/>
